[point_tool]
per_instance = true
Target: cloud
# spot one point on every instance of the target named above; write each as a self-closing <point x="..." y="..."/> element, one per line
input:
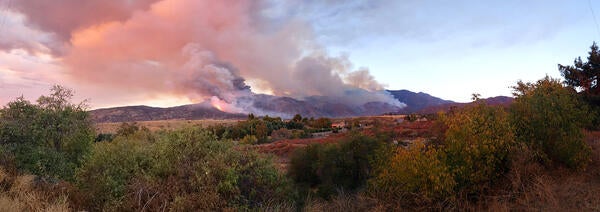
<point x="355" y="22"/>
<point x="23" y="73"/>
<point x="62" y="17"/>
<point x="192" y="49"/>
<point x="16" y="35"/>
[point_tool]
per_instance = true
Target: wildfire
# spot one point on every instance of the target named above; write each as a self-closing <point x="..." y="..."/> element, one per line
<point x="223" y="105"/>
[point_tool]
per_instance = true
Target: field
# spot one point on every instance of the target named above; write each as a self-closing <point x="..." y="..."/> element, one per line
<point x="165" y="124"/>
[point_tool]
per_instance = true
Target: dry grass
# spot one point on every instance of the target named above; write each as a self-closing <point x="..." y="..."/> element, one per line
<point x="165" y="124"/>
<point x="19" y="193"/>
<point x="344" y="202"/>
<point x="532" y="187"/>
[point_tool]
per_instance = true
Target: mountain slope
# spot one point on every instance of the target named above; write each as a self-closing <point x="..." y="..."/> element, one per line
<point x="504" y="101"/>
<point x="416" y="102"/>
<point x="286" y="107"/>
<point x="145" y="113"/>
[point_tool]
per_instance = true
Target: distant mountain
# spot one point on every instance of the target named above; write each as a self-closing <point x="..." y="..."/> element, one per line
<point x="499" y="100"/>
<point x="145" y="113"/>
<point x="416" y="102"/>
<point x="504" y="101"/>
<point x="286" y="107"/>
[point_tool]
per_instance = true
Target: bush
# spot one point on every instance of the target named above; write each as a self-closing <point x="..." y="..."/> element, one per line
<point x="281" y="134"/>
<point x="417" y="174"/>
<point x="107" y="172"/>
<point x="474" y="153"/>
<point x="549" y="118"/>
<point x="328" y="167"/>
<point x="48" y="139"/>
<point x="477" y="144"/>
<point x="187" y="170"/>
<point x="249" y="139"/>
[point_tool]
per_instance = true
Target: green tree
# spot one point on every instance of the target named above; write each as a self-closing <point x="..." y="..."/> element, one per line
<point x="549" y="118"/>
<point x="49" y="138"/>
<point x="322" y="123"/>
<point x="585" y="76"/>
<point x="297" y="118"/>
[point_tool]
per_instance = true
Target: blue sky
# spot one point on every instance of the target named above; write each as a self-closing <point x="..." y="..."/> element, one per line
<point x="451" y="49"/>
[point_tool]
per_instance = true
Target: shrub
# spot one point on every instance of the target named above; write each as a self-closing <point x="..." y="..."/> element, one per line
<point x="102" y="137"/>
<point x="417" y="174"/>
<point x="127" y="128"/>
<point x="187" y="170"/>
<point x="477" y="142"/>
<point x="549" y="118"/>
<point x="474" y="153"/>
<point x="49" y="138"/>
<point x="106" y="173"/>
<point x="281" y="134"/>
<point x="193" y="165"/>
<point x="249" y="139"/>
<point x="328" y="167"/>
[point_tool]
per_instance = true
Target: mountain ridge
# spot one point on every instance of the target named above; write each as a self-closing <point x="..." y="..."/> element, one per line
<point x="286" y="106"/>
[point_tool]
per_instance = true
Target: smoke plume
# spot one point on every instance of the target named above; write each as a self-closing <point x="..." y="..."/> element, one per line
<point x="201" y="50"/>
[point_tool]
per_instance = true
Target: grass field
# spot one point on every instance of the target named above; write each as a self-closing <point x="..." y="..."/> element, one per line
<point x="165" y="124"/>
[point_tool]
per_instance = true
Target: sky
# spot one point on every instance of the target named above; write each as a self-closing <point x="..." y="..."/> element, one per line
<point x="172" y="52"/>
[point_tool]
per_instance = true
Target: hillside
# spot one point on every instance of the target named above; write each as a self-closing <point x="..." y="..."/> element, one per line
<point x="286" y="107"/>
<point x="145" y="113"/>
<point x="498" y="100"/>
<point x="416" y="102"/>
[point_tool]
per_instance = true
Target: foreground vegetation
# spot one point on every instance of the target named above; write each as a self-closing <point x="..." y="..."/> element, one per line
<point x="530" y="155"/>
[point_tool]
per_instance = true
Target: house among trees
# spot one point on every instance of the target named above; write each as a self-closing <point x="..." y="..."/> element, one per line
<point x="339" y="125"/>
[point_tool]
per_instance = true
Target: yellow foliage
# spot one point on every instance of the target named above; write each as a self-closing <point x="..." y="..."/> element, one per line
<point x="417" y="170"/>
<point x="478" y="141"/>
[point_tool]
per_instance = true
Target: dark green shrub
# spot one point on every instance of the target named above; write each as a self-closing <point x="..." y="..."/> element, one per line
<point x="108" y="170"/>
<point x="104" y="137"/>
<point x="329" y="167"/>
<point x="49" y="138"/>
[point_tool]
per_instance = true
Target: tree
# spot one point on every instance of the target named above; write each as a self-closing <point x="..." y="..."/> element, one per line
<point x="585" y="75"/>
<point x="549" y="118"/>
<point x="321" y="123"/>
<point x="47" y="139"/>
<point x="297" y="118"/>
<point x="262" y="132"/>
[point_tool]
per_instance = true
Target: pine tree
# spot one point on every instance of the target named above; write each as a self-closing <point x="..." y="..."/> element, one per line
<point x="585" y="76"/>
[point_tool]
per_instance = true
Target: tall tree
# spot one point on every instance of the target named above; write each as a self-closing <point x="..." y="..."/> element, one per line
<point x="585" y="76"/>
